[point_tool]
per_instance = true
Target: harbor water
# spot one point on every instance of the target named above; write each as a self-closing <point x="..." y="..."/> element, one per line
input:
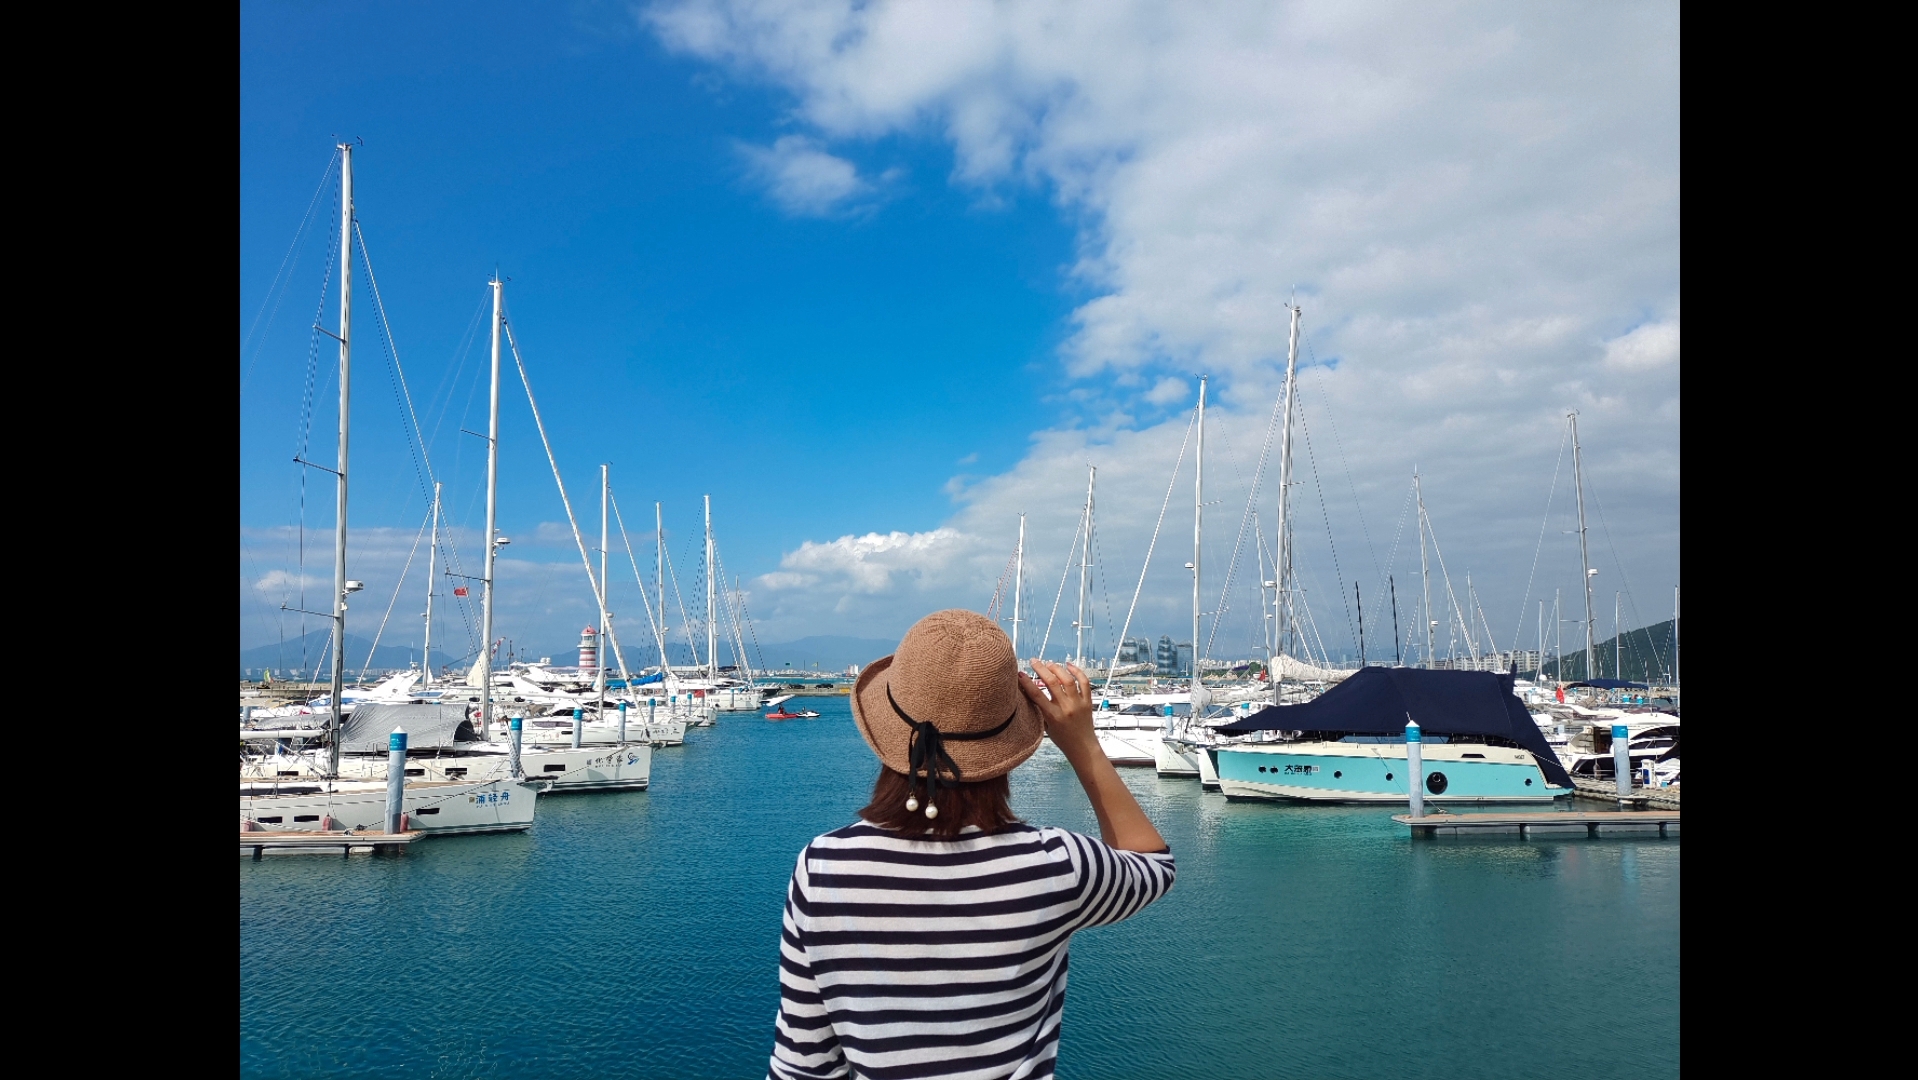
<point x="636" y="935"/>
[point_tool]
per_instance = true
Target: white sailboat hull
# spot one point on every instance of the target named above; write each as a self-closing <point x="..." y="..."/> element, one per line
<point x="1175" y="759"/>
<point x="661" y="732"/>
<point x="1208" y="768"/>
<point x="1130" y="746"/>
<point x="589" y="768"/>
<point x="492" y="806"/>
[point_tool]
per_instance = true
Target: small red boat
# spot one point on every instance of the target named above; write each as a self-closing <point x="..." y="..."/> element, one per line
<point x="782" y="714"/>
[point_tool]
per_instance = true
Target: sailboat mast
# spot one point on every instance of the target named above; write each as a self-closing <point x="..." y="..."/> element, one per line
<point x="1281" y="542"/>
<point x="1398" y="657"/>
<point x="1018" y="583"/>
<point x="1558" y="636"/>
<point x="1356" y="595"/>
<point x="1085" y="581"/>
<point x="345" y="337"/>
<point x="1425" y="570"/>
<point x="712" y="624"/>
<point x="432" y="577"/>
<point x="1198" y="528"/>
<point x="605" y="627"/>
<point x="1618" y="641"/>
<point x="492" y="521"/>
<point x="1586" y="570"/>
<point x="659" y="584"/>
<point x="1471" y="634"/>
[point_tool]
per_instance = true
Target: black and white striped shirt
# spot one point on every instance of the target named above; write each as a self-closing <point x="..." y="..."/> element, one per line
<point x="908" y="958"/>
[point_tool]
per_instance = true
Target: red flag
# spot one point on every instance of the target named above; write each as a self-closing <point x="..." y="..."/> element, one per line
<point x="459" y="590"/>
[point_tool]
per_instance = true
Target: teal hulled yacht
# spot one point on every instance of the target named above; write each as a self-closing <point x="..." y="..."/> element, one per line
<point x="1348" y="745"/>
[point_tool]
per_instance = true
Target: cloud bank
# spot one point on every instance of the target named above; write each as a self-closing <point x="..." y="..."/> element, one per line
<point x="1477" y="206"/>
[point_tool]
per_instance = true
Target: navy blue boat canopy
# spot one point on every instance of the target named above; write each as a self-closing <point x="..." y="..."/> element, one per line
<point x="1607" y="684"/>
<point x="1379" y="700"/>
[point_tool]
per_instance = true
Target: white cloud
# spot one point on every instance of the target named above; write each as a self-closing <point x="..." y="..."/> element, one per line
<point x="280" y="584"/>
<point x="803" y="179"/>
<point x="876" y="562"/>
<point x="1652" y="345"/>
<point x="1168" y="390"/>
<point x="1464" y="200"/>
<point x="540" y="605"/>
<point x="869" y="584"/>
<point x="555" y="534"/>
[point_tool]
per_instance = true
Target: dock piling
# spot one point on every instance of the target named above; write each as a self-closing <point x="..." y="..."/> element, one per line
<point x="578" y="726"/>
<point x="395" y="780"/>
<point x="513" y="735"/>
<point x="622" y="723"/>
<point x="1622" y="759"/>
<point x="1415" y="766"/>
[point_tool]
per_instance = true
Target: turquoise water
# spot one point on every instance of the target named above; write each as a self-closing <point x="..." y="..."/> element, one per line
<point x="636" y="935"/>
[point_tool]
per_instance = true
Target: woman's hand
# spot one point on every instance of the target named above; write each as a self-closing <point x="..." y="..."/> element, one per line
<point x="1068" y="719"/>
<point x="1068" y="712"/>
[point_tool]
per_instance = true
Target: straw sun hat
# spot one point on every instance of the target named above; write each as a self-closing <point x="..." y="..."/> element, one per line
<point x="947" y="704"/>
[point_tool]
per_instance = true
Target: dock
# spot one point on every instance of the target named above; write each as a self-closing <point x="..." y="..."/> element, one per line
<point x="1606" y="791"/>
<point x="259" y="844"/>
<point x="1525" y="826"/>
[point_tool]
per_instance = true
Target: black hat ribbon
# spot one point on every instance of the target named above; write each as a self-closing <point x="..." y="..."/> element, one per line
<point x="926" y="749"/>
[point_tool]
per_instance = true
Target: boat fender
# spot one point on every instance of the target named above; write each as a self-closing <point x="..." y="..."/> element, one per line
<point x="1436" y="783"/>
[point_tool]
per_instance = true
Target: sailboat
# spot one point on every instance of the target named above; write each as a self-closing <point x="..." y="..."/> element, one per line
<point x="1477" y="743"/>
<point x="342" y="802"/>
<point x="1132" y="729"/>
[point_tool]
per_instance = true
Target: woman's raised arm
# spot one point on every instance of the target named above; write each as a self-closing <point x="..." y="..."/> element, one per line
<point x="1068" y="718"/>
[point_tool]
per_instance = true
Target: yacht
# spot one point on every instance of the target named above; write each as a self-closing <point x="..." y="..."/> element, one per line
<point x="1653" y="744"/>
<point x="1478" y="744"/>
<point x="443" y="746"/>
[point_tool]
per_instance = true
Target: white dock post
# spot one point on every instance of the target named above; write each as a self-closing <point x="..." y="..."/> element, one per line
<point x="1415" y="766"/>
<point x="1622" y="759"/>
<point x="513" y="735"/>
<point x="652" y="717"/>
<point x="395" y="779"/>
<point x="579" y="725"/>
<point x="622" y="723"/>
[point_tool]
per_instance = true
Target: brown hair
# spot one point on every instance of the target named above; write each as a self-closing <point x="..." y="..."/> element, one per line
<point x="984" y="803"/>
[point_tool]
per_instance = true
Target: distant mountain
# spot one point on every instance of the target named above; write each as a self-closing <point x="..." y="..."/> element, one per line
<point x="825" y="652"/>
<point x="1647" y="657"/>
<point x="285" y="660"/>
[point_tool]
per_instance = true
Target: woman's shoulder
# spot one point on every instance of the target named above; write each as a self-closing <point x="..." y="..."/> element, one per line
<point x="865" y="836"/>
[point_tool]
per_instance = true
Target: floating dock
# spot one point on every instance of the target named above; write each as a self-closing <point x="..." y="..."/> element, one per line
<point x="257" y="845"/>
<point x="1526" y="826"/>
<point x="1606" y="791"/>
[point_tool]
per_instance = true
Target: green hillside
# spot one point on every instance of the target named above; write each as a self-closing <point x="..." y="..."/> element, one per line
<point x="1645" y="655"/>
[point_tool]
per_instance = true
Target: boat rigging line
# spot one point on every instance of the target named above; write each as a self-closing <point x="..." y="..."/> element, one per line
<point x="1325" y="512"/>
<point x="1550" y="494"/>
<point x="283" y="278"/>
<point x="585" y="559"/>
<point x="1064" y="573"/>
<point x="1126" y="627"/>
<point x="659" y="638"/>
<point x="1251" y="516"/>
<point x="426" y="665"/>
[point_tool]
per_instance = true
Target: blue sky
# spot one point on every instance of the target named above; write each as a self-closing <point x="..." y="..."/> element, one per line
<point x="878" y="278"/>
